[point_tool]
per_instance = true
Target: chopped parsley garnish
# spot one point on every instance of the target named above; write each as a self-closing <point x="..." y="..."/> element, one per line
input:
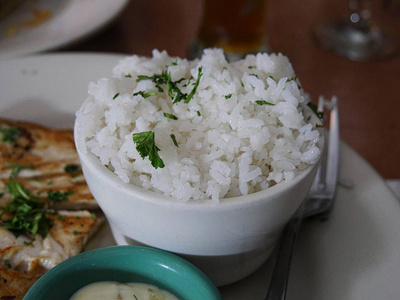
<point x="57" y="196"/>
<point x="158" y="79"/>
<point x="174" y="63"/>
<point x="292" y="79"/>
<point x="10" y="134"/>
<point x="173" y="138"/>
<point x="128" y="75"/>
<point x="251" y="67"/>
<point x="272" y="77"/>
<point x="7" y="263"/>
<point x="263" y="102"/>
<point x="199" y="74"/>
<point x="228" y="96"/>
<point x="172" y="86"/>
<point x="145" y="95"/>
<point x="71" y="168"/>
<point x="314" y="108"/>
<point x="146" y="146"/>
<point x="170" y="116"/>
<point x="17" y="167"/>
<point x="198" y="113"/>
<point x="25" y="213"/>
<point x="115" y="96"/>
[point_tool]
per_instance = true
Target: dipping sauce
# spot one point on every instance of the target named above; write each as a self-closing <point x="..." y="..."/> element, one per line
<point x="109" y="290"/>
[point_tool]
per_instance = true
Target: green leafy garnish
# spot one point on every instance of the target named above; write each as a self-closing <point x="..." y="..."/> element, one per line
<point x="145" y="145"/>
<point x="145" y="95"/>
<point x="7" y="263"/>
<point x="228" y="96"/>
<point x="314" y="108"/>
<point x="71" y="168"/>
<point x="57" y="196"/>
<point x="198" y="113"/>
<point x="173" y="137"/>
<point x="158" y="79"/>
<point x="172" y="86"/>
<point x="263" y="102"/>
<point x="251" y="67"/>
<point x="25" y="213"/>
<point x="170" y="116"/>
<point x="199" y="74"/>
<point x="128" y="75"/>
<point x="17" y="167"/>
<point x="115" y="96"/>
<point x="10" y="134"/>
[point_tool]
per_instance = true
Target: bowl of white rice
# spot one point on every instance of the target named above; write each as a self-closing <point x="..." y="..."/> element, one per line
<point x="206" y="159"/>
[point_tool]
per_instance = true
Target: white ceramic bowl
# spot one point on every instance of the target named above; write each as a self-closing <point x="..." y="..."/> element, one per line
<point x="227" y="241"/>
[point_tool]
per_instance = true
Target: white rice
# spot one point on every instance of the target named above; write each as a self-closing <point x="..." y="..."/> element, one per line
<point x="228" y="145"/>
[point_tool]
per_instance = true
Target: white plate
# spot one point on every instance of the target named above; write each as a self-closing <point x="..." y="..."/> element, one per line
<point x="70" y="20"/>
<point x="353" y="255"/>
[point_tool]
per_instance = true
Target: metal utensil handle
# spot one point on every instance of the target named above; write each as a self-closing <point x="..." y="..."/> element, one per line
<point x="279" y="281"/>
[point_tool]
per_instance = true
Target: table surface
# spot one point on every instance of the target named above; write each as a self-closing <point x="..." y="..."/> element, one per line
<point x="367" y="91"/>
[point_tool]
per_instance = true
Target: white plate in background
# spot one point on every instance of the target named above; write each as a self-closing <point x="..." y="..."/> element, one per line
<point x="353" y="255"/>
<point x="70" y="20"/>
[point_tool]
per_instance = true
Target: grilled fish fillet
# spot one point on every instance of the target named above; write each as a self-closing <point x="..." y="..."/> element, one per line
<point x="42" y="161"/>
<point x="50" y="163"/>
<point x="14" y="284"/>
<point x="66" y="238"/>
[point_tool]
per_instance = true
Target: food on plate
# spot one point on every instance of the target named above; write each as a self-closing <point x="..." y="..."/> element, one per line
<point x="40" y="177"/>
<point x="36" y="253"/>
<point x="47" y="163"/>
<point x="15" y="284"/>
<point x="114" y="290"/>
<point x="203" y="129"/>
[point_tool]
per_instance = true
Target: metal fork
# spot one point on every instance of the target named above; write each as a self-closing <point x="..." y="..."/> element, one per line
<point x="317" y="204"/>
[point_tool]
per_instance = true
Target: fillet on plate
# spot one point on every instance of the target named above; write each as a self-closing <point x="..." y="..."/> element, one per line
<point x="43" y="204"/>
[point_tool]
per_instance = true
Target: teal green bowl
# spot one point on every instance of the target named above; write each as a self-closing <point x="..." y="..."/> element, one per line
<point x="125" y="264"/>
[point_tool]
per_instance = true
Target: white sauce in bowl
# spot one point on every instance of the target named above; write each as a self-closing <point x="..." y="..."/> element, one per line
<point x="108" y="290"/>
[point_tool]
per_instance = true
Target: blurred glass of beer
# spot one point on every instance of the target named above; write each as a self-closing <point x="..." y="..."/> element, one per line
<point x="237" y="26"/>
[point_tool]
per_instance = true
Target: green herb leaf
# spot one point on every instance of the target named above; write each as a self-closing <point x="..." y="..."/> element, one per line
<point x="58" y="196"/>
<point x="17" y="167"/>
<point x="314" y="108"/>
<point x="145" y="145"/>
<point x="7" y="263"/>
<point x="198" y="113"/>
<point x="263" y="102"/>
<point x="145" y="95"/>
<point x="25" y="213"/>
<point x="71" y="168"/>
<point x="115" y="96"/>
<point x="10" y="134"/>
<point x="228" y="96"/>
<point x="199" y="74"/>
<point x="170" y="116"/>
<point x="173" y="137"/>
